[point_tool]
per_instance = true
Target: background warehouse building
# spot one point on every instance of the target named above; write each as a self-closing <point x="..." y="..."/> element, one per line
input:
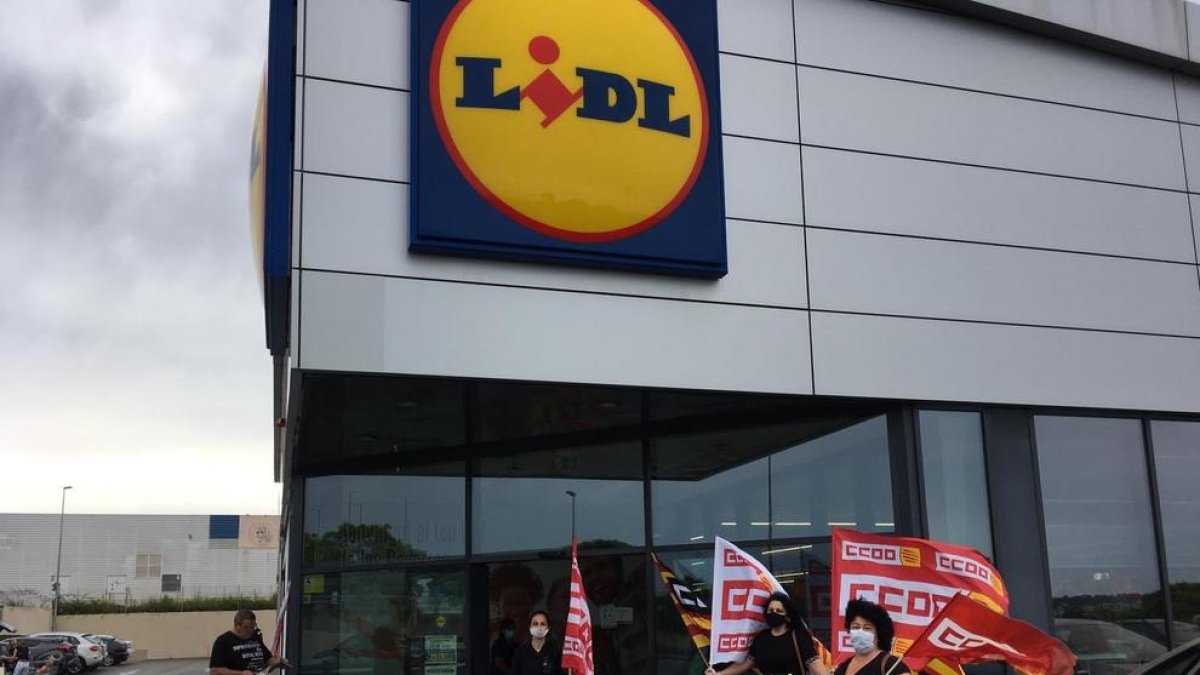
<point x="962" y="300"/>
<point x="128" y="558"/>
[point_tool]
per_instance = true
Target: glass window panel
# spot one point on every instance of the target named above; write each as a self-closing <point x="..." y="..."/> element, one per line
<point x="956" y="494"/>
<point x="407" y="622"/>
<point x="616" y="590"/>
<point x="1100" y="539"/>
<point x="521" y="500"/>
<point x="709" y="485"/>
<point x="840" y="479"/>
<point x="518" y="410"/>
<point x="1177" y="466"/>
<point x="367" y="520"/>
<point x="363" y="416"/>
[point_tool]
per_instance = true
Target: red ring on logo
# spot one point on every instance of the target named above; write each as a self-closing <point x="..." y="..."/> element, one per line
<point x="435" y="99"/>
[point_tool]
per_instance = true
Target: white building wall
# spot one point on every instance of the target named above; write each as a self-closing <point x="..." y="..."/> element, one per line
<point x="97" y="547"/>
<point x="920" y="206"/>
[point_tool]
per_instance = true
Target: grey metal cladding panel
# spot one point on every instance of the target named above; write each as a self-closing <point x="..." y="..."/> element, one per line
<point x="362" y="41"/>
<point x="758" y="98"/>
<point x="1154" y="24"/>
<point x="762" y="181"/>
<point x="356" y="131"/>
<point x="756" y="27"/>
<point x="856" y="355"/>
<point x="910" y="43"/>
<point x="1191" y="154"/>
<point x="878" y="115"/>
<point x="852" y="190"/>
<point x="1187" y="89"/>
<point x="883" y="274"/>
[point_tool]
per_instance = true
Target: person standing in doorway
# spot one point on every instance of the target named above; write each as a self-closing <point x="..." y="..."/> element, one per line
<point x="539" y="656"/>
<point x="504" y="648"/>
<point x="241" y="651"/>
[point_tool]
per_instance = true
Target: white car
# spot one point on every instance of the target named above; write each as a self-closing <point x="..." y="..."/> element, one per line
<point x="91" y="652"/>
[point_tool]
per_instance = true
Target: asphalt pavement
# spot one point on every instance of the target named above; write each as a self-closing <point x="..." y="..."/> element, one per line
<point x="165" y="667"/>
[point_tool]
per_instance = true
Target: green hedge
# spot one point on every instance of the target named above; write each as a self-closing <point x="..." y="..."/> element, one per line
<point x="167" y="604"/>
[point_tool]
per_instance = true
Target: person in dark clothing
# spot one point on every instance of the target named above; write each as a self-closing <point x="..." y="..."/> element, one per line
<point x="241" y="651"/>
<point x="871" y="634"/>
<point x="504" y="648"/>
<point x="785" y="647"/>
<point x="539" y="656"/>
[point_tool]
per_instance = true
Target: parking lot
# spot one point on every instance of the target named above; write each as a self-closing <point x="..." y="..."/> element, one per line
<point x="165" y="667"/>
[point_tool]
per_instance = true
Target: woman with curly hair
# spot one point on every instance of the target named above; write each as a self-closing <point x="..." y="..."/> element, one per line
<point x="785" y="647"/>
<point x="871" y="634"/>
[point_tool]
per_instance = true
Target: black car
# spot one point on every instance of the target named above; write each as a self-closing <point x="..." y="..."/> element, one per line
<point x="1183" y="660"/>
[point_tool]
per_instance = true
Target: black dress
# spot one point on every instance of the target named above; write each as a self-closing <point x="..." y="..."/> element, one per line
<point x="876" y="666"/>
<point x="528" y="661"/>
<point x="776" y="654"/>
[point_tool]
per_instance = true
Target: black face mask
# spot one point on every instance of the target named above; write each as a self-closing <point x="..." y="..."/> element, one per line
<point x="775" y="620"/>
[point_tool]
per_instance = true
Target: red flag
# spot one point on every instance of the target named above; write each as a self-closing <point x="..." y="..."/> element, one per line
<point x="577" y="644"/>
<point x="969" y="632"/>
<point x="913" y="579"/>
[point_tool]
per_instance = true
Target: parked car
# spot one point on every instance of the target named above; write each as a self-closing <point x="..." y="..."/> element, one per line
<point x="1103" y="648"/>
<point x="118" y="649"/>
<point x="1183" y="660"/>
<point x="92" y="653"/>
<point x="57" y="655"/>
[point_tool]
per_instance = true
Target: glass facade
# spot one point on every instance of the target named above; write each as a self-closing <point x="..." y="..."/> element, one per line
<point x="1177" y="465"/>
<point x="1100" y="540"/>
<point x="435" y="511"/>
<point x="952" y="466"/>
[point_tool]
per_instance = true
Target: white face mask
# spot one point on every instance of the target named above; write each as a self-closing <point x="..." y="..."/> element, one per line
<point x="862" y="641"/>
<point x="539" y="632"/>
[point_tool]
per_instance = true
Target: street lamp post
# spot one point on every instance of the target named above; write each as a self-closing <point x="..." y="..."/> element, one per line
<point x="62" y="514"/>
<point x="571" y="494"/>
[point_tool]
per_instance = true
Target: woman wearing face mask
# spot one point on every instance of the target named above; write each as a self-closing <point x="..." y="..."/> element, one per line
<point x="504" y="647"/>
<point x="539" y="656"/>
<point x="871" y="635"/>
<point x="785" y="647"/>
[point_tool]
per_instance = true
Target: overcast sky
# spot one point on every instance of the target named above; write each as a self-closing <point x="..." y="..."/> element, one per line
<point x="132" y="361"/>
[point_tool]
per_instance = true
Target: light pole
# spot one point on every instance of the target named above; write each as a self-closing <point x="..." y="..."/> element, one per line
<point x="62" y="515"/>
<point x="571" y="494"/>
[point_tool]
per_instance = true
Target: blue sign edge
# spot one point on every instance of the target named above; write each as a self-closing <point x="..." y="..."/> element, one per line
<point x="277" y="202"/>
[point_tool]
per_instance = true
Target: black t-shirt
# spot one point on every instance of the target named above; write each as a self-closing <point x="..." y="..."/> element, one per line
<point x="527" y="661"/>
<point x="877" y="666"/>
<point x="777" y="653"/>
<point x="232" y="652"/>
<point x="503" y="651"/>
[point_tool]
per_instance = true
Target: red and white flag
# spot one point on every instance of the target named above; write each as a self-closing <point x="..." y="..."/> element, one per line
<point x="577" y="644"/>
<point x="741" y="588"/>
<point x="969" y="632"/>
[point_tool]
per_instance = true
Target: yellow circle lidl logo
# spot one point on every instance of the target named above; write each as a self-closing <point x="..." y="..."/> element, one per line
<point x="583" y="120"/>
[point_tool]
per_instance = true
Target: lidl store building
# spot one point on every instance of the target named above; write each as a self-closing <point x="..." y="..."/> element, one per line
<point x="747" y="268"/>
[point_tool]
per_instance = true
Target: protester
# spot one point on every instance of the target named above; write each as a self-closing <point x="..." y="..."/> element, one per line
<point x="871" y="635"/>
<point x="504" y="647"/>
<point x="539" y="656"/>
<point x="241" y="651"/>
<point x="785" y="647"/>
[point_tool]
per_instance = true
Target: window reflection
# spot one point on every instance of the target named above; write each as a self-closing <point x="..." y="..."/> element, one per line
<point x="1099" y="535"/>
<point x="783" y="481"/>
<point x="521" y="500"/>
<point x="956" y="494"/>
<point x="383" y="622"/>
<point x="364" y="520"/>
<point x="615" y="587"/>
<point x="1177" y="464"/>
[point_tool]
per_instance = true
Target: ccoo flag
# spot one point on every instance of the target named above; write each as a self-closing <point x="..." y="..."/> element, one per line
<point x="696" y="615"/>
<point x="577" y="643"/>
<point x="967" y="631"/>
<point x="741" y="587"/>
